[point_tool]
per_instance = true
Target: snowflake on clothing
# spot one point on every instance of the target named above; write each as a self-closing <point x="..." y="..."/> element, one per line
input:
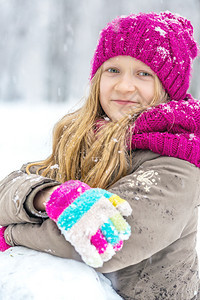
<point x="145" y="179"/>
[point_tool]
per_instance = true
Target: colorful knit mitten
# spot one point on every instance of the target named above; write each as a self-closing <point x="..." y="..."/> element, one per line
<point x="90" y="219"/>
<point x="3" y="245"/>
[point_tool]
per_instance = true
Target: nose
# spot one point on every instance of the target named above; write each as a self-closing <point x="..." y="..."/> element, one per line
<point x="125" y="84"/>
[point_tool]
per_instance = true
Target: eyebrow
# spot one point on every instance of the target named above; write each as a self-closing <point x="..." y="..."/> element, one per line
<point x="117" y="65"/>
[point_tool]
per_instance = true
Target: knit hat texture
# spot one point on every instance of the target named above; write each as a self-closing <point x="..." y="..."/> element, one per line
<point x="162" y="41"/>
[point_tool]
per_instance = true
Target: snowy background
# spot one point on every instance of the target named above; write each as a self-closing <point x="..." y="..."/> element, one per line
<point x="46" y="48"/>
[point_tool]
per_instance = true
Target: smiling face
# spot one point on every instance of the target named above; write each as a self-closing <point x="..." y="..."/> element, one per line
<point x="126" y="83"/>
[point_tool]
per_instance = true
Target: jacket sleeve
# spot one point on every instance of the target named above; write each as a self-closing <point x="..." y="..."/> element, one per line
<point x="15" y="191"/>
<point x="25" y="225"/>
<point x="163" y="194"/>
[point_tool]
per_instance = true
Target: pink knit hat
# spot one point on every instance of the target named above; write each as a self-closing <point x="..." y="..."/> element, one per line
<point x="162" y="41"/>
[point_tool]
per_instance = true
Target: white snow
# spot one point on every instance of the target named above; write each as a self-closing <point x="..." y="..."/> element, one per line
<point x="161" y="31"/>
<point x="56" y="166"/>
<point x="163" y="51"/>
<point x="25" y="135"/>
<point x="26" y="274"/>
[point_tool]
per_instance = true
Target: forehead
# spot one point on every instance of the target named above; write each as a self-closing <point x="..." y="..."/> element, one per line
<point x="124" y="59"/>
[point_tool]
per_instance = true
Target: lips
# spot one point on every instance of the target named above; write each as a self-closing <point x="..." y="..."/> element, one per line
<point x="124" y="102"/>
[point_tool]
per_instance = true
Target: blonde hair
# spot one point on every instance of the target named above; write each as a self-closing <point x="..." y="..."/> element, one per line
<point x="90" y="149"/>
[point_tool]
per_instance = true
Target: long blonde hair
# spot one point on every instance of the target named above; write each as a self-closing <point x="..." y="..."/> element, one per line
<point x="90" y="149"/>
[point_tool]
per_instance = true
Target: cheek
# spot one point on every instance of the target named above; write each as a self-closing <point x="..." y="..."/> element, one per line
<point x="149" y="92"/>
<point x="104" y="93"/>
<point x="104" y="105"/>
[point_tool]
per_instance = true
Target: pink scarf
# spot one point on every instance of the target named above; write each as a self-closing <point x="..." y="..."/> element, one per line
<point x="170" y="129"/>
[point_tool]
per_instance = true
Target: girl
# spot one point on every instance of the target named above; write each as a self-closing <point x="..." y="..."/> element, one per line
<point x="137" y="137"/>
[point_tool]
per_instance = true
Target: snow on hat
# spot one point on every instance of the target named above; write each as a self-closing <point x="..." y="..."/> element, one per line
<point x="162" y="41"/>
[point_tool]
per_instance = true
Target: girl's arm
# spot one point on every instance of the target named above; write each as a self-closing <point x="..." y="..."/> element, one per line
<point x="42" y="197"/>
<point x="21" y="211"/>
<point x="41" y="236"/>
<point x="163" y="193"/>
<point x="17" y="192"/>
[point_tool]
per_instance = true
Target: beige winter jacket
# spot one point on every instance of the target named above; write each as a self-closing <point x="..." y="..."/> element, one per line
<point x="159" y="261"/>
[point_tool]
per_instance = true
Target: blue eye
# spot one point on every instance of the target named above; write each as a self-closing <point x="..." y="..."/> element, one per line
<point x="113" y="70"/>
<point x="144" y="74"/>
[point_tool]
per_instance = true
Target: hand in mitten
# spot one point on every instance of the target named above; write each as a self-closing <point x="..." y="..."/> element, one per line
<point x="90" y="219"/>
<point x="3" y="245"/>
